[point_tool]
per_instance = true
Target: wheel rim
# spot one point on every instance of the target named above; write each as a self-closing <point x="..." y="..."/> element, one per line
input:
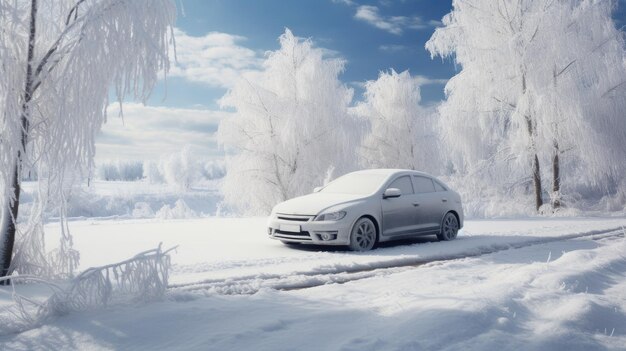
<point x="450" y="227"/>
<point x="364" y="235"/>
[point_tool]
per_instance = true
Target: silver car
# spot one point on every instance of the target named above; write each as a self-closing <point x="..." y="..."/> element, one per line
<point x="363" y="208"/>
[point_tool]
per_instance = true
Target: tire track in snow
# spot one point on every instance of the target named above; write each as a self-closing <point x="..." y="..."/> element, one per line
<point x="340" y="274"/>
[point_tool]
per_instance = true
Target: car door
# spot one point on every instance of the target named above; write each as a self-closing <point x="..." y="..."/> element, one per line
<point x="429" y="209"/>
<point x="399" y="212"/>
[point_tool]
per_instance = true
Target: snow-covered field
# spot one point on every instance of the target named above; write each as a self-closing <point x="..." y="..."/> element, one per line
<point x="524" y="284"/>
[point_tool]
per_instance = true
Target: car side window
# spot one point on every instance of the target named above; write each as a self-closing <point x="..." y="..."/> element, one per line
<point x="439" y="187"/>
<point x="404" y="184"/>
<point x="423" y="185"/>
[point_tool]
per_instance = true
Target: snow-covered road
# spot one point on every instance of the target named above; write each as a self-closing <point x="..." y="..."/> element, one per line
<point x="340" y="274"/>
<point x="227" y="248"/>
<point x="525" y="284"/>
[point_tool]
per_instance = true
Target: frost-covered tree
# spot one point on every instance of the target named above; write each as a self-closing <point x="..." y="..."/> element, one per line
<point x="489" y="41"/>
<point x="213" y="169"/>
<point x="120" y="170"/>
<point x="151" y="172"/>
<point x="530" y="70"/>
<point x="291" y="125"/>
<point x="581" y="124"/>
<point x="60" y="60"/>
<point x="402" y="133"/>
<point x="181" y="169"/>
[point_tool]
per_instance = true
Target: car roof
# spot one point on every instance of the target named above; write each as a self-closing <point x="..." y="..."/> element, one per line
<point x="390" y="172"/>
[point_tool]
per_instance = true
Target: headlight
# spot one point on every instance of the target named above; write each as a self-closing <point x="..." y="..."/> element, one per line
<point x="331" y="216"/>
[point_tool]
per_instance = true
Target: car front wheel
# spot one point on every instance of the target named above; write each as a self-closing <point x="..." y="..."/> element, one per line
<point x="449" y="227"/>
<point x="363" y="235"/>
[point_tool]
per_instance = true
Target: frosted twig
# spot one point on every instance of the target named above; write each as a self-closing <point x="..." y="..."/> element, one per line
<point x="142" y="278"/>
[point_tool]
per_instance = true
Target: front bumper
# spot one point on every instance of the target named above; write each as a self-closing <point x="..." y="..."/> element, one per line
<point x="302" y="229"/>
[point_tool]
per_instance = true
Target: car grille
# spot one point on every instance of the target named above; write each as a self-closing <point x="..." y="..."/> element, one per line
<point x="294" y="218"/>
<point x="305" y="236"/>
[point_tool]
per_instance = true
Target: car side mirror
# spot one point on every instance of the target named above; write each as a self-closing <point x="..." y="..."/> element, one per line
<point x="317" y="189"/>
<point x="391" y="193"/>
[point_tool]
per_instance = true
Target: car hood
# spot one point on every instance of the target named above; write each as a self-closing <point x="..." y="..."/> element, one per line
<point x="313" y="204"/>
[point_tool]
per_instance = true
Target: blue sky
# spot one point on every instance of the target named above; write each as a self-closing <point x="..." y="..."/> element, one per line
<point x="219" y="39"/>
<point x="333" y="25"/>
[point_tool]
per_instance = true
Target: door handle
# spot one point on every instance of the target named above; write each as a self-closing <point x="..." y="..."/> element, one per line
<point x="416" y="204"/>
<point x="444" y="200"/>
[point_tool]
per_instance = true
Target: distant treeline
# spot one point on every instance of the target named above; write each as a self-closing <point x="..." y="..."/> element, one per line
<point x="182" y="169"/>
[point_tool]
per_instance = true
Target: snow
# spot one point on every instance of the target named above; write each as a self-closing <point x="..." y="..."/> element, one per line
<point x="312" y="204"/>
<point x="128" y="200"/>
<point x="359" y="183"/>
<point x="510" y="284"/>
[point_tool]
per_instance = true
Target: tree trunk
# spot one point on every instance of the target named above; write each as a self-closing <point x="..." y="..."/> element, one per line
<point x="537" y="181"/>
<point x="535" y="167"/>
<point x="556" y="178"/>
<point x="556" y="167"/>
<point x="10" y="212"/>
<point x="9" y="226"/>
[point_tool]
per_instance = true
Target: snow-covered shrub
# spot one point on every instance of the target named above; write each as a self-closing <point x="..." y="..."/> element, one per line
<point x="142" y="210"/>
<point x="151" y="172"/>
<point x="482" y="200"/>
<point x="120" y="170"/>
<point x="616" y="201"/>
<point x="130" y="171"/>
<point x="108" y="172"/>
<point x="142" y="278"/>
<point x="180" y="169"/>
<point x="214" y="169"/>
<point x="180" y="210"/>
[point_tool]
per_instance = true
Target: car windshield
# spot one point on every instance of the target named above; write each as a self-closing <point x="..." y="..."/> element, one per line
<point x="355" y="183"/>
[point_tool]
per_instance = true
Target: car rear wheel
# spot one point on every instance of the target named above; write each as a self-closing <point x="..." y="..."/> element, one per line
<point x="363" y="235"/>
<point x="449" y="227"/>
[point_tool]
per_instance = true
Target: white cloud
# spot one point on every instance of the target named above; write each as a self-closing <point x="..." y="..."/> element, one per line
<point x="392" y="48"/>
<point x="147" y="132"/>
<point x="358" y="84"/>
<point x="216" y="59"/>
<point x="371" y="15"/>
<point x="392" y="24"/>
<point x="423" y="80"/>
<point x="345" y="2"/>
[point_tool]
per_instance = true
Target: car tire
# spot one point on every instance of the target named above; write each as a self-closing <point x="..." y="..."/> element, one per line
<point x="363" y="236"/>
<point x="449" y="227"/>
